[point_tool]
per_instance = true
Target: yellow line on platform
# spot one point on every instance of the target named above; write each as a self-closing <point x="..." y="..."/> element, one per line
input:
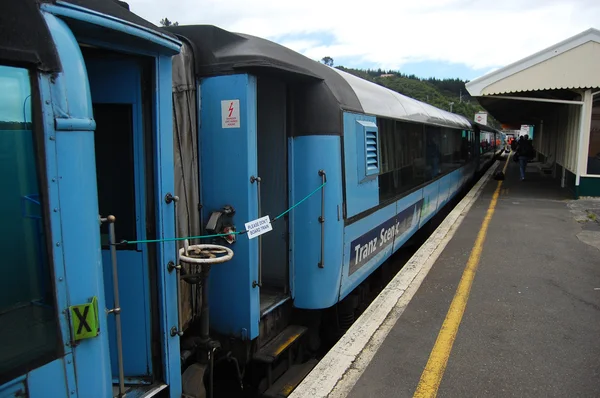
<point x="436" y="365"/>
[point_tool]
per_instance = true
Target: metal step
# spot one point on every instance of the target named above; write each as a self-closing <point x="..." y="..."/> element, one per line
<point x="147" y="391"/>
<point x="280" y="343"/>
<point x="284" y="386"/>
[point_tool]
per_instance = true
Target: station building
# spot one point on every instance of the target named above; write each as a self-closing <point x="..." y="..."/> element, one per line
<point x="556" y="90"/>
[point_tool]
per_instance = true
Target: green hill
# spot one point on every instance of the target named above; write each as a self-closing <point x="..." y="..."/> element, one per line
<point x="437" y="92"/>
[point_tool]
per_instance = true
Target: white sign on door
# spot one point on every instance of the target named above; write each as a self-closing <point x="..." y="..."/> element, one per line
<point x="258" y="227"/>
<point x="230" y="114"/>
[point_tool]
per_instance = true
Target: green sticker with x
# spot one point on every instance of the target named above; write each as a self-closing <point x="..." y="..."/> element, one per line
<point x="84" y="320"/>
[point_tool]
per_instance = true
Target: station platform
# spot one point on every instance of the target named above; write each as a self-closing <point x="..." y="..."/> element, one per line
<point x="509" y="306"/>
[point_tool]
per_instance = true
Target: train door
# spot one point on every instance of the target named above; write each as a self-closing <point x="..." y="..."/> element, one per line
<point x="125" y="191"/>
<point x="242" y="136"/>
<point x="273" y="171"/>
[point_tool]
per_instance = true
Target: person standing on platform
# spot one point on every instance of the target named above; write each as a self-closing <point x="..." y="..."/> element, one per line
<point x="513" y="144"/>
<point x="524" y="153"/>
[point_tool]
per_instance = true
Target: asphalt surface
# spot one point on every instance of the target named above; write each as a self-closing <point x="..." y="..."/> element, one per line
<point x="531" y="327"/>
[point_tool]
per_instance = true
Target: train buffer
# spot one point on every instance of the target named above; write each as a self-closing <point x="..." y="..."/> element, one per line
<point x="509" y="306"/>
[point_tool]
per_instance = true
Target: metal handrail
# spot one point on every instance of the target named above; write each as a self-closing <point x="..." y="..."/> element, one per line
<point x="252" y="181"/>
<point x="117" y="309"/>
<point x="323" y="176"/>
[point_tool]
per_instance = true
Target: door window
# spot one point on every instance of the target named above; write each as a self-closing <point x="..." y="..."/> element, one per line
<point x="28" y="321"/>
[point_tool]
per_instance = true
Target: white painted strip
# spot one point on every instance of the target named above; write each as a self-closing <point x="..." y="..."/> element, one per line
<point x="338" y="371"/>
<point x="154" y="391"/>
<point x="555" y="101"/>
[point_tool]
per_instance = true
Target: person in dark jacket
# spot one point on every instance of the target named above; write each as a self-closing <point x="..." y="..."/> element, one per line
<point x="524" y="153"/>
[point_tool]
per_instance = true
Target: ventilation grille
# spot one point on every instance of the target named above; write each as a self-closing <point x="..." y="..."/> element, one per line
<point x="371" y="152"/>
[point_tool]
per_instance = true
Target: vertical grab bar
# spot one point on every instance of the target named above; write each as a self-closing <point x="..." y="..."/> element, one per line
<point x="178" y="273"/>
<point x="169" y="198"/>
<point x="322" y="218"/>
<point x="117" y="310"/>
<point x="252" y="181"/>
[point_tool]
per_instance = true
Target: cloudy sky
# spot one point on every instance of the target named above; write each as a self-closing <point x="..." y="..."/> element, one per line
<point x="440" y="38"/>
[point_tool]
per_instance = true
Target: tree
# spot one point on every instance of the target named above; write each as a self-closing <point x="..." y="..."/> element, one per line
<point x="327" y="61"/>
<point x="165" y="22"/>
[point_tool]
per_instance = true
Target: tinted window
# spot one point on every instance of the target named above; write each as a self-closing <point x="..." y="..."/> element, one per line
<point x="28" y="322"/>
<point x="433" y="149"/>
<point x="412" y="154"/>
<point x="403" y="157"/>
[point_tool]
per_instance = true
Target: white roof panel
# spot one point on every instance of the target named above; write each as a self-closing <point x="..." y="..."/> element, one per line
<point x="380" y="101"/>
<point x="572" y="63"/>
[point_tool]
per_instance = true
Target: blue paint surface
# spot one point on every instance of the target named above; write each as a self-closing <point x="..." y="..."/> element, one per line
<point x="14" y="388"/>
<point x="74" y="223"/>
<point x="73" y="193"/>
<point x="72" y="124"/>
<point x="444" y="189"/>
<point x="351" y="275"/>
<point x="228" y="159"/>
<point x="56" y="233"/>
<point x="416" y="199"/>
<point x="119" y="81"/>
<point x="316" y="287"/>
<point x="361" y="194"/>
<point x="161" y="41"/>
<point x="400" y="220"/>
<point x="291" y="224"/>
<point x="392" y="226"/>
<point x="164" y="172"/>
<point x="39" y="379"/>
<point x="430" y="201"/>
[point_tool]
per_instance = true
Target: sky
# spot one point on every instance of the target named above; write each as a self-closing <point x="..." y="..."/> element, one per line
<point x="428" y="38"/>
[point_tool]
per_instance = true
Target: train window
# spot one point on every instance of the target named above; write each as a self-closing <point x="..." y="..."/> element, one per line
<point x="465" y="146"/>
<point x="404" y="153"/>
<point x="454" y="149"/>
<point x="412" y="154"/>
<point x="386" y="139"/>
<point x="28" y="322"/>
<point x="433" y="150"/>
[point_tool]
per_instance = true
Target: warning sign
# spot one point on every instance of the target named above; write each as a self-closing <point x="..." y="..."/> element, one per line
<point x="481" y="117"/>
<point x="258" y="227"/>
<point x="230" y="114"/>
<point x="84" y="320"/>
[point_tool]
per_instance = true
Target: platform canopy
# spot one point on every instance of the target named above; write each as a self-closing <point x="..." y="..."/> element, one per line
<point x="556" y="90"/>
<point x="558" y="72"/>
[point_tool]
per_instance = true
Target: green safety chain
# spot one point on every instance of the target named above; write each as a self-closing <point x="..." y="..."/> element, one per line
<point x="131" y="242"/>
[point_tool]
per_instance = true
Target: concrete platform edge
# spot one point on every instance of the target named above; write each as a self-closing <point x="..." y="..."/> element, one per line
<point x="338" y="371"/>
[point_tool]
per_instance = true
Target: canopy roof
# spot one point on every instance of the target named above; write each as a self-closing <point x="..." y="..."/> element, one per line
<point x="571" y="64"/>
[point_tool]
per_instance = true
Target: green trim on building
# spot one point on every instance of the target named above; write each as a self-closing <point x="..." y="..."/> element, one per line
<point x="570" y="181"/>
<point x="588" y="186"/>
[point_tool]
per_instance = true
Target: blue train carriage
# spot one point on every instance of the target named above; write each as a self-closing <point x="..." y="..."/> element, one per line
<point x="491" y="144"/>
<point x="362" y="167"/>
<point x="86" y="115"/>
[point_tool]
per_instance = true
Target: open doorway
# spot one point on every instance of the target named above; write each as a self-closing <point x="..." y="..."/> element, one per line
<point x="272" y="151"/>
<point x="124" y="170"/>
